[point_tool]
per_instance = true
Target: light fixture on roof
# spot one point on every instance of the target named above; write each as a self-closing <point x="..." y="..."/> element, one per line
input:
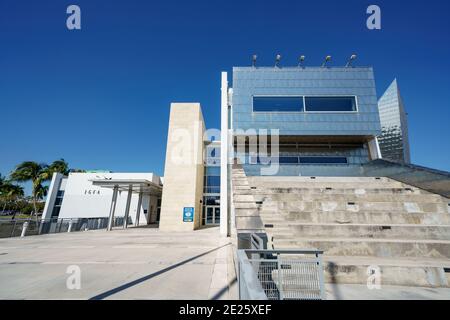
<point x="277" y="60"/>
<point x="327" y="59"/>
<point x="349" y="63"/>
<point x="301" y="61"/>
<point x="254" y="57"/>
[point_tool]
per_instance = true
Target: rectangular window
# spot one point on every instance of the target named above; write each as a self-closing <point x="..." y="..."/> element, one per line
<point x="277" y="104"/>
<point x="330" y="104"/>
<point x="213" y="180"/>
<point x="211" y="189"/>
<point x="323" y="160"/>
<point x="212" y="171"/>
<point x="299" y="160"/>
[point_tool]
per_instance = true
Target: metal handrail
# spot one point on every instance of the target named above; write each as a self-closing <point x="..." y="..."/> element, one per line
<point x="31" y="226"/>
<point x="285" y="251"/>
<point x="271" y="274"/>
<point x="431" y="180"/>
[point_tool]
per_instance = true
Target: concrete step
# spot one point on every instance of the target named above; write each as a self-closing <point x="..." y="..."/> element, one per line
<point x="240" y="212"/>
<point x="303" y="179"/>
<point x="393" y="271"/>
<point x="354" y="206"/>
<point x="376" y="231"/>
<point x="332" y="185"/>
<point x="355" y="197"/>
<point x="388" y="248"/>
<point x="366" y="217"/>
<point x="245" y="205"/>
<point x="286" y="181"/>
<point x="397" y="230"/>
<point x="334" y="191"/>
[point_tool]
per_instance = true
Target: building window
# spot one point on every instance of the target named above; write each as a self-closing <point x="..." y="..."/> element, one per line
<point x="330" y="104"/>
<point x="304" y="103"/>
<point x="58" y="202"/>
<point x="158" y="209"/>
<point x="323" y="160"/>
<point x="299" y="160"/>
<point x="211" y="180"/>
<point x="277" y="104"/>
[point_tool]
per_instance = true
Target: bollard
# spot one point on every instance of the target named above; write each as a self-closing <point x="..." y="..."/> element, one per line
<point x="70" y="226"/>
<point x="24" y="229"/>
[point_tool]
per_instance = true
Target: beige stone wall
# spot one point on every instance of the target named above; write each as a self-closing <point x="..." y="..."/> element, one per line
<point x="183" y="172"/>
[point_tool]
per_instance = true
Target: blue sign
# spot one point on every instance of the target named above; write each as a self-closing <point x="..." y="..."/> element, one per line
<point x="188" y="214"/>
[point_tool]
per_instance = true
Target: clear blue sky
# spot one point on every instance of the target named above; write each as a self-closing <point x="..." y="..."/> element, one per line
<point x="99" y="97"/>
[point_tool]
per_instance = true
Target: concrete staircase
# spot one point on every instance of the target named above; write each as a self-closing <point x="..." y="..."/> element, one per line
<point x="362" y="223"/>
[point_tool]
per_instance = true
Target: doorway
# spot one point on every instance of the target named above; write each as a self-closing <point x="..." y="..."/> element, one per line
<point x="212" y="216"/>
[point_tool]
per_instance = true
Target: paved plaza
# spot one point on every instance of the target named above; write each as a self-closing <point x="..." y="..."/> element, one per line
<point x="143" y="263"/>
<point x="138" y="263"/>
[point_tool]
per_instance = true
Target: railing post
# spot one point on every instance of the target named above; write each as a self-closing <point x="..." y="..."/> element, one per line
<point x="13" y="229"/>
<point x="321" y="276"/>
<point x="113" y="208"/>
<point x="24" y="229"/>
<point x="280" y="278"/>
<point x="138" y="213"/>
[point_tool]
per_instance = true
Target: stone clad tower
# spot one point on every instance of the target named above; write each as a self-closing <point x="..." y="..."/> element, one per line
<point x="183" y="174"/>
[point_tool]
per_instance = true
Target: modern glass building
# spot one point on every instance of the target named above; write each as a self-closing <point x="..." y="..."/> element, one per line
<point x="286" y="121"/>
<point x="325" y="119"/>
<point x="394" y="140"/>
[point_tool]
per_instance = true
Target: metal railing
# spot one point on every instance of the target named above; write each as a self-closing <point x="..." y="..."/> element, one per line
<point x="280" y="274"/>
<point x="432" y="180"/>
<point x="29" y="227"/>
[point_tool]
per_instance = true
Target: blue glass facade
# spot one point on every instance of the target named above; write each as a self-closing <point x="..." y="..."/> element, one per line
<point x="394" y="140"/>
<point x="296" y="81"/>
<point x="325" y="117"/>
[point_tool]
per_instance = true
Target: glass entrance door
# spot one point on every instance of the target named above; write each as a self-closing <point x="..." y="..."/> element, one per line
<point x="212" y="215"/>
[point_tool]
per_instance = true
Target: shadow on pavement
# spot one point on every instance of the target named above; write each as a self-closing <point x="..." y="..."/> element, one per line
<point x="152" y="275"/>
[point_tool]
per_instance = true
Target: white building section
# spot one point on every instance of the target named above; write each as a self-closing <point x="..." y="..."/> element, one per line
<point x="224" y="217"/>
<point x="90" y="195"/>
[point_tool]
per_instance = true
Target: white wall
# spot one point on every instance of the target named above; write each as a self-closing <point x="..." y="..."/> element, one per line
<point x="84" y="200"/>
<point x="224" y="227"/>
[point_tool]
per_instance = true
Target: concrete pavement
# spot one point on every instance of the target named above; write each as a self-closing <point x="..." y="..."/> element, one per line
<point x="138" y="263"/>
<point x="142" y="263"/>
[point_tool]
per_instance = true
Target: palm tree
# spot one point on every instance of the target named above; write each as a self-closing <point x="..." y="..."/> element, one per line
<point x="38" y="173"/>
<point x="9" y="192"/>
<point x="60" y="166"/>
<point x="30" y="171"/>
<point x="2" y="179"/>
<point x="41" y="192"/>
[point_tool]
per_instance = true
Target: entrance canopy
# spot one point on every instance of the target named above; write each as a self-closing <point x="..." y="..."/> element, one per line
<point x="137" y="185"/>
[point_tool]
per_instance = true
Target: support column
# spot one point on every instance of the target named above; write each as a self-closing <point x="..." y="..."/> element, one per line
<point x="138" y="213"/>
<point x="127" y="208"/>
<point x="374" y="149"/>
<point x="112" y="210"/>
<point x="224" y="228"/>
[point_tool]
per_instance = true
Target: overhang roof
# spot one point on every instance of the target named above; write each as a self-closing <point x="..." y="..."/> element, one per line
<point x="137" y="185"/>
